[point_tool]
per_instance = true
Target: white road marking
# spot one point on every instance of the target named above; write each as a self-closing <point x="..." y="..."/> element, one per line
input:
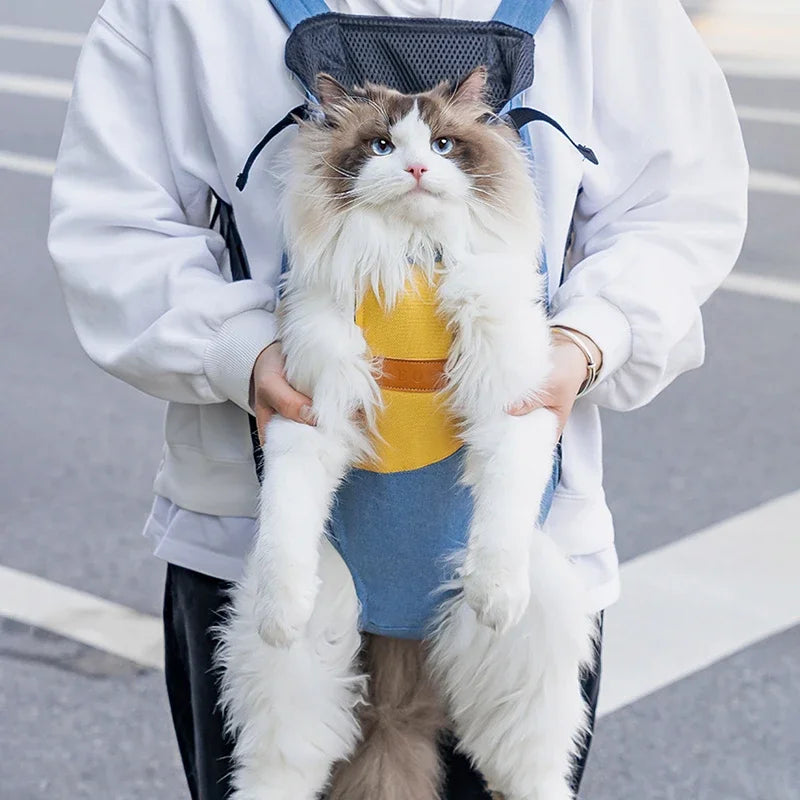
<point x="701" y="599"/>
<point x="760" y="68"/>
<point x="35" y="86"/>
<point x="29" y="165"/>
<point x="750" y="30"/>
<point x="763" y="286"/>
<point x="684" y="606"/>
<point x="82" y="617"/>
<point x="777" y="116"/>
<point x="19" y="33"/>
<point x="774" y="183"/>
<point x="760" y="181"/>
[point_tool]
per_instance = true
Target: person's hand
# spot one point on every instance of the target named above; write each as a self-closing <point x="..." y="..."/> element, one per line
<point x="566" y="378"/>
<point x="271" y="393"/>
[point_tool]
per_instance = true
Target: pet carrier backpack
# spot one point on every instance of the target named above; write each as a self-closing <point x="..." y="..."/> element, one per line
<point x="396" y="523"/>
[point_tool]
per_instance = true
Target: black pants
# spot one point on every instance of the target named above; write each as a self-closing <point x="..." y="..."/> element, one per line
<point x="192" y="604"/>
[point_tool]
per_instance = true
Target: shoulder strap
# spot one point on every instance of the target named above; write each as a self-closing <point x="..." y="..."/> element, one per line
<point x="293" y="12"/>
<point x="240" y="271"/>
<point x="527" y="15"/>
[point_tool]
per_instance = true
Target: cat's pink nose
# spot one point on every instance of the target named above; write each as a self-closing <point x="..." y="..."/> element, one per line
<point x="417" y="170"/>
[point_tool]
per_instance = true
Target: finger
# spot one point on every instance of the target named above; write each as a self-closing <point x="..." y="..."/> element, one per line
<point x="523" y="407"/>
<point x="291" y="404"/>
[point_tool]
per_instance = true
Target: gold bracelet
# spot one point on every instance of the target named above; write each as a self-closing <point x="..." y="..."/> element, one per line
<point x="592" y="367"/>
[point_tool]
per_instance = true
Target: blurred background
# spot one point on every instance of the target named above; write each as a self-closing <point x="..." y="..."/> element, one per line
<point x="702" y="669"/>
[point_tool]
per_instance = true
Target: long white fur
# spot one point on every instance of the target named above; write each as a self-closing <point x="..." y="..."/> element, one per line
<point x="514" y="699"/>
<point x="509" y="648"/>
<point x="291" y="710"/>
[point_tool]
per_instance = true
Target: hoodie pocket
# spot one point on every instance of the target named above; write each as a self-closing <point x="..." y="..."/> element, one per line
<point x="220" y="432"/>
<point x="225" y="433"/>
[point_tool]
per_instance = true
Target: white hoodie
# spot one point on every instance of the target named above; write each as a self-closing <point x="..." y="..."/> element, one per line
<point x="171" y="95"/>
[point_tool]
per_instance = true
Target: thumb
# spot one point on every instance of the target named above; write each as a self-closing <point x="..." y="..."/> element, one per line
<point x="288" y="402"/>
<point x="523" y="407"/>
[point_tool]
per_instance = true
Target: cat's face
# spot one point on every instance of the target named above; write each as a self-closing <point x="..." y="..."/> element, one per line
<point x="408" y="155"/>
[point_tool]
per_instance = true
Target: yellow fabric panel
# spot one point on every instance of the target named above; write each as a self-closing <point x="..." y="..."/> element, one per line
<point x="413" y="329"/>
<point x="414" y="428"/>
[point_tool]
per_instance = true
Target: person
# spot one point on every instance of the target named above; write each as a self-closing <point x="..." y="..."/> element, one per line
<point x="169" y="98"/>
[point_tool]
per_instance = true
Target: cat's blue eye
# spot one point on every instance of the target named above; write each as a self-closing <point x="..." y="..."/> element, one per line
<point x="442" y="145"/>
<point x="381" y="146"/>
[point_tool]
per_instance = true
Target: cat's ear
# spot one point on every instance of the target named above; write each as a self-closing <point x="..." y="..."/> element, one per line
<point x="329" y="91"/>
<point x="472" y="89"/>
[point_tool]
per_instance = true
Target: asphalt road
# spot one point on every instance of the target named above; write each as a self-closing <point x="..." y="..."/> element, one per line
<point x="79" y="451"/>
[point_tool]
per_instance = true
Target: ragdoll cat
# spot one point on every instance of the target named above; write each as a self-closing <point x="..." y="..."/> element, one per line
<point x="383" y="189"/>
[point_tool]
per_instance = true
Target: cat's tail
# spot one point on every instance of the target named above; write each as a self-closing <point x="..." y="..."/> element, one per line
<point x="398" y="758"/>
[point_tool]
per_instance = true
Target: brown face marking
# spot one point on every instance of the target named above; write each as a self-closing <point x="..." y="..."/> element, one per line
<point x="354" y="118"/>
<point x="352" y="122"/>
<point x="480" y="148"/>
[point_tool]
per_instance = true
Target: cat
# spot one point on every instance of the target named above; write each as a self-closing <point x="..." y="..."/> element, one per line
<point x="378" y="184"/>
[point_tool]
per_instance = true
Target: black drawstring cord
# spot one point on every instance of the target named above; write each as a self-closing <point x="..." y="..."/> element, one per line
<point x="518" y="117"/>
<point x="522" y="116"/>
<point x="301" y="112"/>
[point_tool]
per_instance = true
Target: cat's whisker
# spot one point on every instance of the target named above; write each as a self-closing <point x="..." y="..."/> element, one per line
<point x="450" y="100"/>
<point x="312" y="176"/>
<point x="381" y="190"/>
<point x="379" y="109"/>
<point x="323" y="195"/>
<point x="487" y="194"/>
<point x="475" y="202"/>
<point x="337" y="169"/>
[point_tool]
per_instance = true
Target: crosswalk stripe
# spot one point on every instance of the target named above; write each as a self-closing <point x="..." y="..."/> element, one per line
<point x="760" y="68"/>
<point x="684" y="606"/>
<point x="777" y="116"/>
<point x="774" y="183"/>
<point x="763" y="286"/>
<point x="760" y="181"/>
<point x="737" y="67"/>
<point x="81" y="616"/>
<point x="703" y="598"/>
<point x="21" y="33"/>
<point x="35" y="86"/>
<point x="29" y="165"/>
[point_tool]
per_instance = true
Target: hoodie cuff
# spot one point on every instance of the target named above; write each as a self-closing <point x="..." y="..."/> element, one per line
<point x="230" y="356"/>
<point x="604" y="324"/>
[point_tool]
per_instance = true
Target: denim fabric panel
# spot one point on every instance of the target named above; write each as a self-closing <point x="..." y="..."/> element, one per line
<point x="527" y="15"/>
<point x="550" y="490"/>
<point x="293" y="12"/>
<point x="395" y="532"/>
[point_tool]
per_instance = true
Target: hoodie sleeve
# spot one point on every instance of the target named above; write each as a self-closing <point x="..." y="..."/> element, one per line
<point x="660" y="222"/>
<point x="138" y="265"/>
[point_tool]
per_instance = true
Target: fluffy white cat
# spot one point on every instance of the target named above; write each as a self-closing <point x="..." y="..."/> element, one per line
<point x="379" y="181"/>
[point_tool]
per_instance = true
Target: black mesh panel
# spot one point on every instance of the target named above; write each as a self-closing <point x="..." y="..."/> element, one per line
<point x="411" y="55"/>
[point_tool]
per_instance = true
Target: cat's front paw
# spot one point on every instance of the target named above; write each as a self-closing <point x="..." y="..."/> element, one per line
<point x="282" y="610"/>
<point x="497" y="588"/>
